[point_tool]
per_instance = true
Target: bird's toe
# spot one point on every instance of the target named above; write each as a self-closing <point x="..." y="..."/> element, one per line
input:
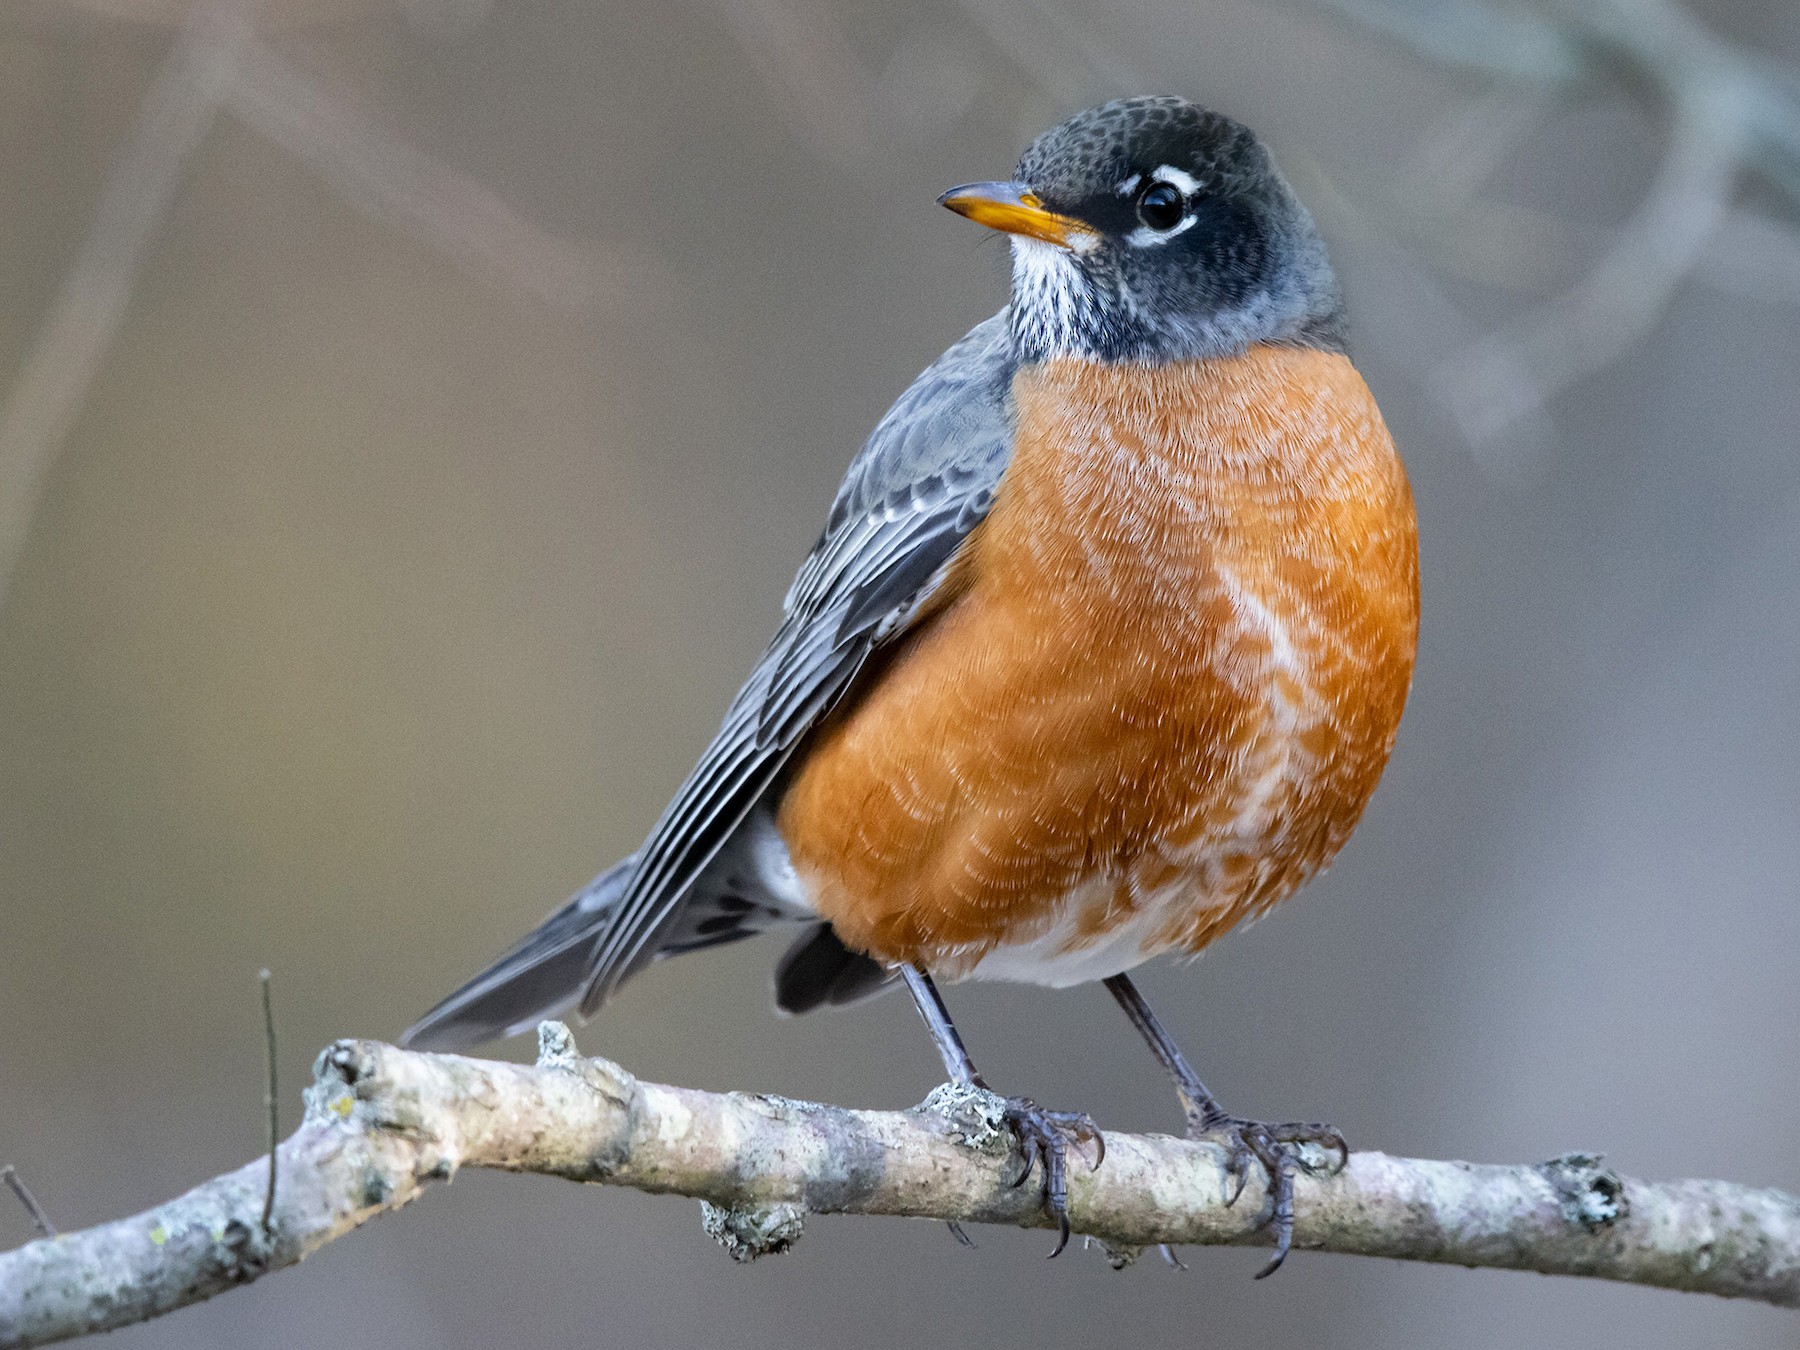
<point x="1044" y="1141"/>
<point x="1282" y="1150"/>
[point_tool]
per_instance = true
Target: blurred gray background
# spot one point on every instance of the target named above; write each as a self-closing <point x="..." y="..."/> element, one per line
<point x="416" y="410"/>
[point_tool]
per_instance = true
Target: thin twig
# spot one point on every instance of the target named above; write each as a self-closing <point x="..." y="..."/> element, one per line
<point x="16" y="1184"/>
<point x="50" y="389"/>
<point x="395" y="182"/>
<point x="1732" y="116"/>
<point x="273" y="1103"/>
<point x="1515" y="44"/>
<point x="381" y="1123"/>
<point x="1513" y="374"/>
<point x="217" y="63"/>
<point x="814" y="74"/>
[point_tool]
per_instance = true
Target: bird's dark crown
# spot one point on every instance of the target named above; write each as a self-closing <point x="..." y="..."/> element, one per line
<point x="1194" y="245"/>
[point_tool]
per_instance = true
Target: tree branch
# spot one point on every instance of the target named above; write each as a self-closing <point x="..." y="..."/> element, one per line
<point x="382" y="1122"/>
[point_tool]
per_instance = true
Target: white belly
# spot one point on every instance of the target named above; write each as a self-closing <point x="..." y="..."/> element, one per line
<point x="1062" y="954"/>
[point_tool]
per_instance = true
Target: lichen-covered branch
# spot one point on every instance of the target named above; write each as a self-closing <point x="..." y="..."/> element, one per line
<point x="381" y="1123"/>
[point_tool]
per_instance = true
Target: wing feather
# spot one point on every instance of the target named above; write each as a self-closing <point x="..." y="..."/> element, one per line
<point x="923" y="481"/>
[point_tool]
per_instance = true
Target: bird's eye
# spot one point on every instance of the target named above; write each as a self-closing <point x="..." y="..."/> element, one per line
<point x="1161" y="206"/>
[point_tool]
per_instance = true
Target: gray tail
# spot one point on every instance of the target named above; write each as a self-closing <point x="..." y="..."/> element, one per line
<point x="540" y="977"/>
<point x="543" y="975"/>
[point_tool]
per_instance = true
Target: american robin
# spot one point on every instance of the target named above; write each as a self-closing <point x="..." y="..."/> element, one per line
<point x="1101" y="652"/>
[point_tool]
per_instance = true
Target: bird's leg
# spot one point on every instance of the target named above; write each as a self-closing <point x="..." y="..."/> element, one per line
<point x="944" y="1034"/>
<point x="1043" y="1136"/>
<point x="1276" y="1147"/>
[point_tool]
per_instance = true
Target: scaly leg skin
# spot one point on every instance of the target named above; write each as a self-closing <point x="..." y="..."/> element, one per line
<point x="1276" y="1147"/>
<point x="1044" y="1136"/>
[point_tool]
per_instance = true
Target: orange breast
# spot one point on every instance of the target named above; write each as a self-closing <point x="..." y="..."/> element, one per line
<point x="1164" y="685"/>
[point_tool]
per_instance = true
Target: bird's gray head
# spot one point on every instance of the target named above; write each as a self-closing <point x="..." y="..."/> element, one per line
<point x="1152" y="229"/>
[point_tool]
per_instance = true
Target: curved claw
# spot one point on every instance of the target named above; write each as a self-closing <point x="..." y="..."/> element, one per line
<point x="1031" y="1156"/>
<point x="1044" y="1138"/>
<point x="1277" y="1148"/>
<point x="1062" y="1237"/>
<point x="1237" y="1161"/>
<point x="1343" y="1152"/>
<point x="1281" y="1167"/>
<point x="1237" y="1166"/>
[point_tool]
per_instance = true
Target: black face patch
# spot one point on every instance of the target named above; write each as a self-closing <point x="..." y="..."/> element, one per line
<point x="1242" y="262"/>
<point x="1226" y="248"/>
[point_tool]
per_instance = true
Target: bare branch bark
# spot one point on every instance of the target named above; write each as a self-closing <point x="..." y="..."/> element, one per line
<point x="382" y="1122"/>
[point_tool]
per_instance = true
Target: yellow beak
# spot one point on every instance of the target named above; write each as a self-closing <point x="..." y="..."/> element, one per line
<point x="1014" y="208"/>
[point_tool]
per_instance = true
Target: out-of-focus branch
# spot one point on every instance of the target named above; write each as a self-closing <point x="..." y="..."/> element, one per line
<point x="48" y="391"/>
<point x="807" y="64"/>
<point x="1731" y="114"/>
<point x="1510" y="41"/>
<point x="218" y="64"/>
<point x="395" y="182"/>
<point x="1557" y="45"/>
<point x="381" y="1123"/>
<point x="1513" y="373"/>
<point x="850" y="114"/>
<point x="1662" y="42"/>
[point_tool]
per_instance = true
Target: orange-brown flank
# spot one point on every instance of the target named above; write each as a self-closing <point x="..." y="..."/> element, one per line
<point x="1159" y="686"/>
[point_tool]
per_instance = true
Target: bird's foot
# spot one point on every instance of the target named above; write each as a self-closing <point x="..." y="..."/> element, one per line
<point x="1044" y="1140"/>
<point x="1281" y="1151"/>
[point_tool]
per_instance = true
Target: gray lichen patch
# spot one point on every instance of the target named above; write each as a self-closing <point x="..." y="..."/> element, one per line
<point x="1590" y="1195"/>
<point x="976" y="1116"/>
<point x="777" y="1107"/>
<point x="557" y="1050"/>
<point x="1316" y="1159"/>
<point x="556" y="1045"/>
<point x="746" y="1234"/>
<point x="341" y="1078"/>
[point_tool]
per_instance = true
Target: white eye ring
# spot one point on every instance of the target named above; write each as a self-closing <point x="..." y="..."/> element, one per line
<point x="1184" y="183"/>
<point x="1143" y="236"/>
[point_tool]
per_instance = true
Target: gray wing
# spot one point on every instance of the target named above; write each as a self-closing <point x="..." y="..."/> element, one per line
<point x="923" y="481"/>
